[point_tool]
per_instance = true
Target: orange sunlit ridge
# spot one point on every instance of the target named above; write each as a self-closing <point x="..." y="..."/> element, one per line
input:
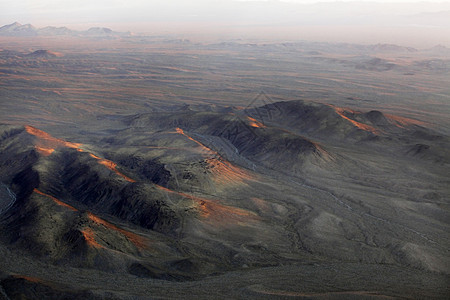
<point x="394" y="120"/>
<point x="340" y="111"/>
<point x="223" y="170"/>
<point x="112" y="166"/>
<point x="402" y="121"/>
<point x="216" y="212"/>
<point x="137" y="240"/>
<point x="89" y="233"/>
<point x="47" y="144"/>
<point x="255" y="123"/>
<point x="89" y="237"/>
<point x="29" y="278"/>
<point x="181" y="131"/>
<point x="59" y="202"/>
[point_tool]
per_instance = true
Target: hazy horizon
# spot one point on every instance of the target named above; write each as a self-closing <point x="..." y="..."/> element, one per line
<point x="410" y="23"/>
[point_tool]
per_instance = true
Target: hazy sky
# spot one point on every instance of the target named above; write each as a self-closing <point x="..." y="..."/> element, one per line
<point x="413" y="22"/>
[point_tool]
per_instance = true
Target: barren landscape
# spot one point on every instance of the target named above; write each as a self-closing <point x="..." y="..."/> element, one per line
<point x="136" y="167"/>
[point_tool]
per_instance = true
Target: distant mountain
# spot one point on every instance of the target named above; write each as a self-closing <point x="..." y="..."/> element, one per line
<point x="99" y="31"/>
<point x="376" y="64"/>
<point x="390" y="48"/>
<point x="51" y="30"/>
<point x="439" y="49"/>
<point x="19" y="30"/>
<point x="44" y="54"/>
<point x="319" y="48"/>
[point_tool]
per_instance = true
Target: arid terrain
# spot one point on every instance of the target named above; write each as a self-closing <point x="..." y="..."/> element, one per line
<point x="136" y="167"/>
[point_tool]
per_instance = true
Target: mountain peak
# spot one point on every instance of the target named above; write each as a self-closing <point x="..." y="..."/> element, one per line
<point x="440" y="47"/>
<point x="17" y="29"/>
<point x="10" y="26"/>
<point x="392" y="48"/>
<point x="42" y="53"/>
<point x="100" y="31"/>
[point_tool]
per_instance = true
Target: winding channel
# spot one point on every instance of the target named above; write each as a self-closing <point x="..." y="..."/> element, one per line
<point x="348" y="207"/>
<point x="7" y="198"/>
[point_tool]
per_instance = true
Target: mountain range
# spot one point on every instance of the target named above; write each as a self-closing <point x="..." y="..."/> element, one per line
<point x="146" y="168"/>
<point x="28" y="30"/>
<point x="197" y="192"/>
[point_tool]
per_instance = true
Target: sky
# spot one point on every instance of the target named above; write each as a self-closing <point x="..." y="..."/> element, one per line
<point x="410" y="22"/>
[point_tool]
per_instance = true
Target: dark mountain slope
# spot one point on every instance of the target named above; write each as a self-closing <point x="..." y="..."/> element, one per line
<point x="43" y="54"/>
<point x="188" y="193"/>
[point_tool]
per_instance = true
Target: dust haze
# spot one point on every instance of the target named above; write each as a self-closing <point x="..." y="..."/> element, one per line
<point x="409" y="23"/>
<point x="224" y="150"/>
